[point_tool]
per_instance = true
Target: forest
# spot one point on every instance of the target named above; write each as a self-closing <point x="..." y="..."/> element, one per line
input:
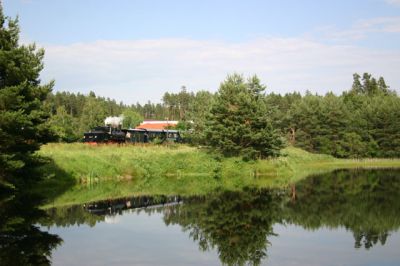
<point x="241" y="119"/>
<point x="364" y="121"/>
<point x="251" y="159"/>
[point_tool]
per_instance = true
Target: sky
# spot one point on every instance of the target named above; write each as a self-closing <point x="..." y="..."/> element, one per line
<point x="135" y="51"/>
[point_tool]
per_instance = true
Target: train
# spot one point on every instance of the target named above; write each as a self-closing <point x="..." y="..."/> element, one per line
<point x="116" y="206"/>
<point x="109" y="134"/>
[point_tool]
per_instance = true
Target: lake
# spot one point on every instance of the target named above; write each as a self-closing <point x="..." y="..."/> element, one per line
<point x="339" y="218"/>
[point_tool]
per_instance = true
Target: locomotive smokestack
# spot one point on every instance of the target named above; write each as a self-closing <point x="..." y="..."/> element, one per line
<point x="114" y="121"/>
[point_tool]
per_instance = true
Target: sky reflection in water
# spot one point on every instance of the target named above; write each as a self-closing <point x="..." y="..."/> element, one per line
<point x="341" y="218"/>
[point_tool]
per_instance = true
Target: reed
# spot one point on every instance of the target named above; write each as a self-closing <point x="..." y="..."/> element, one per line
<point x="81" y="173"/>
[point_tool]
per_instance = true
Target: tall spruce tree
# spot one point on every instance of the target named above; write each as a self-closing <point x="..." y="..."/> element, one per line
<point x="239" y="123"/>
<point x="22" y="127"/>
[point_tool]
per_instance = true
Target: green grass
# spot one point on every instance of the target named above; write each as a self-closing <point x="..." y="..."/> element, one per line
<point x="82" y="173"/>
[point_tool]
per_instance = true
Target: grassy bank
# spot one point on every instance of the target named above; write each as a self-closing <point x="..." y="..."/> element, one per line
<point x="81" y="173"/>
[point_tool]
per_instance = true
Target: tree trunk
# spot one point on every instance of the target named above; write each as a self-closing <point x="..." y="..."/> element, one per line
<point x="292" y="135"/>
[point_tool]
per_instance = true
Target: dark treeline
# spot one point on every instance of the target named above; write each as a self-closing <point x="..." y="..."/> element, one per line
<point x="73" y="114"/>
<point x="361" y="122"/>
<point x="239" y="119"/>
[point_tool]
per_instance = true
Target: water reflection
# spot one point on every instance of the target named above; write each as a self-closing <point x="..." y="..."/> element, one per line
<point x="239" y="225"/>
<point x="93" y="213"/>
<point x="21" y="240"/>
<point x="367" y="203"/>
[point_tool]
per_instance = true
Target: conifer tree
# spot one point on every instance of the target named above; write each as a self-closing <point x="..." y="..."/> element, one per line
<point x="239" y="123"/>
<point x="22" y="127"/>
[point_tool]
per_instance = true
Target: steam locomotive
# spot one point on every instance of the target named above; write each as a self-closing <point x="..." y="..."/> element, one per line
<point x="108" y="134"/>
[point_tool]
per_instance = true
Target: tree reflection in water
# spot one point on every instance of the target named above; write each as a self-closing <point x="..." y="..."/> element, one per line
<point x="21" y="240"/>
<point x="239" y="224"/>
<point x="367" y="203"/>
<point x="236" y="223"/>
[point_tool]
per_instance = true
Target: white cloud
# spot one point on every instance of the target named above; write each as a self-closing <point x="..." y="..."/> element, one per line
<point x="362" y="29"/>
<point x="393" y="2"/>
<point x="143" y="70"/>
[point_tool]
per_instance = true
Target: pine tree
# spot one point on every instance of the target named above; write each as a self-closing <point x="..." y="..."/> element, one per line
<point x="369" y="86"/>
<point x="22" y="119"/>
<point x="357" y="87"/>
<point x="239" y="123"/>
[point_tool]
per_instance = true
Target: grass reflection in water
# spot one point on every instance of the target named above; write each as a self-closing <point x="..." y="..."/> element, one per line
<point x="239" y="224"/>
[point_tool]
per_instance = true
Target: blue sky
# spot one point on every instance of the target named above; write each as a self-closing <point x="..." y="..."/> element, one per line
<point x="137" y="50"/>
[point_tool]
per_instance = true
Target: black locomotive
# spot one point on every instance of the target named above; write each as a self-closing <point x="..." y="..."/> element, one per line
<point x="107" y="134"/>
<point x="104" y="134"/>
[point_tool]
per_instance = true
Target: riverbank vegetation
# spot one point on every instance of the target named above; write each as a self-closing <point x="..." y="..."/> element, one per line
<point x="363" y="121"/>
<point x="240" y="121"/>
<point x="82" y="173"/>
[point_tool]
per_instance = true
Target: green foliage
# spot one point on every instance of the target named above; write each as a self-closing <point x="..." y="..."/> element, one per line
<point x="363" y="122"/>
<point x="62" y="124"/>
<point x="86" y="111"/>
<point x="111" y="171"/>
<point x="369" y="85"/>
<point x="22" y="118"/>
<point x="73" y="114"/>
<point x="131" y="119"/>
<point x="93" y="114"/>
<point x="364" y="202"/>
<point x="198" y="115"/>
<point x="320" y="123"/>
<point x="239" y="121"/>
<point x="23" y="242"/>
<point x="237" y="224"/>
<point x="178" y="104"/>
<point x="352" y="145"/>
<point x="381" y="123"/>
<point x="69" y="216"/>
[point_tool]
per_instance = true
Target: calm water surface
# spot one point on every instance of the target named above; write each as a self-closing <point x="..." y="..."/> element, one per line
<point x="341" y="218"/>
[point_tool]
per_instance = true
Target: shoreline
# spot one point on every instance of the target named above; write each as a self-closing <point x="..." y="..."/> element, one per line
<point x="81" y="173"/>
